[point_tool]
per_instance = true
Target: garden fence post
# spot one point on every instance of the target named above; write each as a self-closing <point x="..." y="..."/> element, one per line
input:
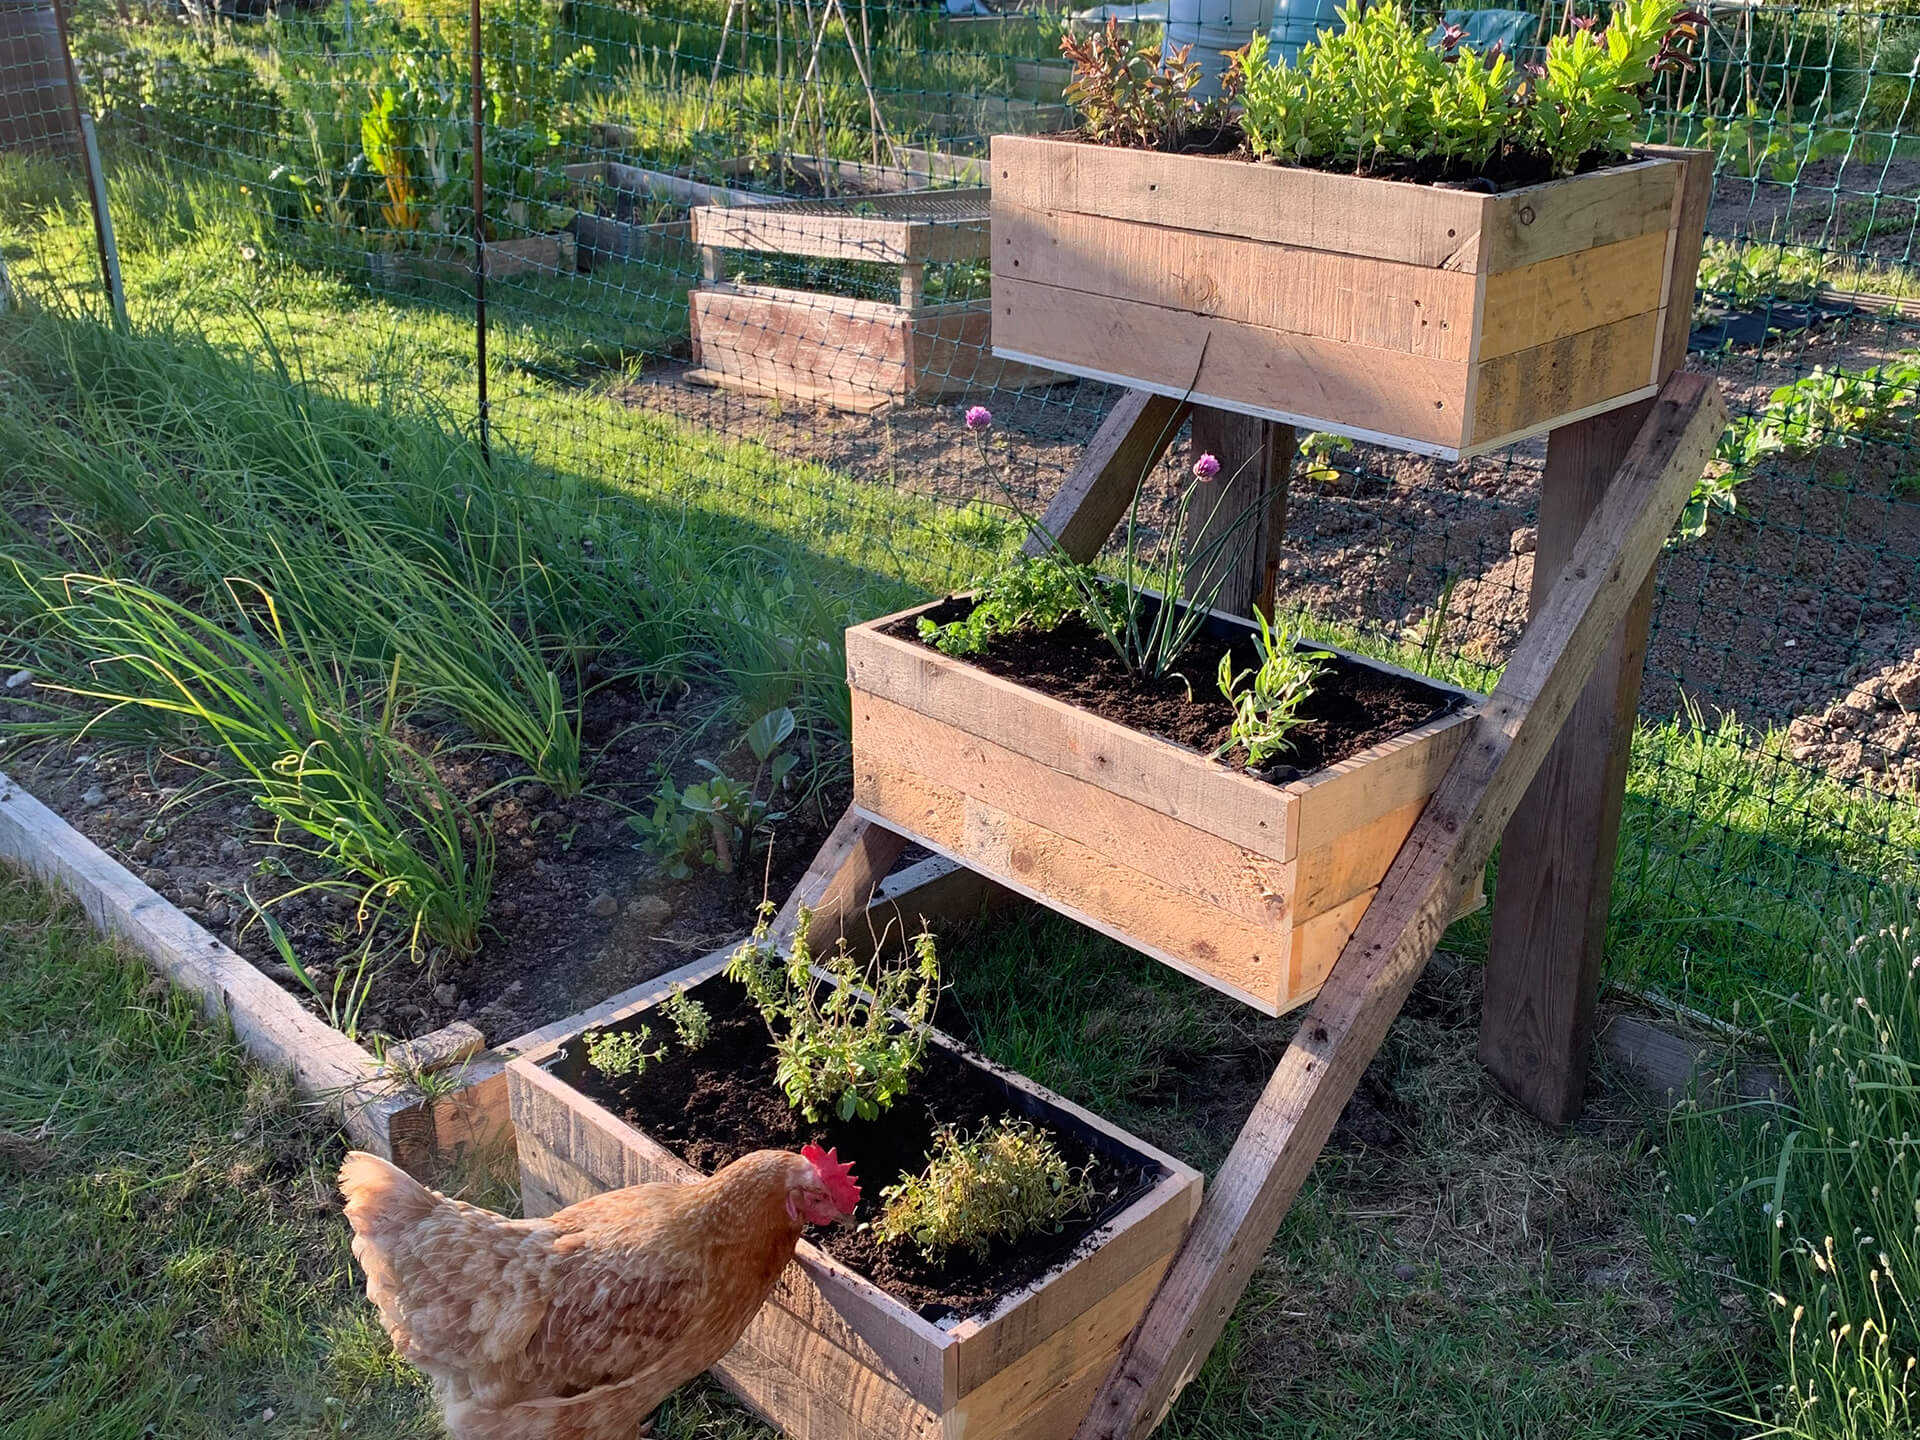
<point x="1256" y="459"/>
<point x="96" y="181"/>
<point x="476" y="79"/>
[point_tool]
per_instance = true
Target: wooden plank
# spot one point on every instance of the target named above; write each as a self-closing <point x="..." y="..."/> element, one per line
<point x="1551" y="299"/>
<point x="1097" y="491"/>
<point x="812" y="1391"/>
<point x="837" y="397"/>
<point x="1343" y="1030"/>
<point x="1246" y="959"/>
<point x="1156" y="773"/>
<point x="996" y="1406"/>
<point x="775" y="337"/>
<point x="1354" y="299"/>
<point x="1694" y="195"/>
<point x="891" y="740"/>
<point x="1415" y="224"/>
<point x="1256" y="463"/>
<point x="1538" y="222"/>
<point x="799" y="228"/>
<point x="1550" y="906"/>
<point x="1233" y="365"/>
<point x="276" y="1029"/>
<point x="1350" y="796"/>
<point x="952" y="349"/>
<point x="1547" y="381"/>
<point x="841" y="881"/>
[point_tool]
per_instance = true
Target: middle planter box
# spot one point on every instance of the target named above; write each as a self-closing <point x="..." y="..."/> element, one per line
<point x="1250" y="886"/>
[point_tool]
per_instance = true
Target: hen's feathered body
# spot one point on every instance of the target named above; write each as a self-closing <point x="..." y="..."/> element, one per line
<point x="577" y="1326"/>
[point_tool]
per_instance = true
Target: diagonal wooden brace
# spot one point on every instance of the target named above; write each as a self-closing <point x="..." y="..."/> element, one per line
<point x="1447" y="847"/>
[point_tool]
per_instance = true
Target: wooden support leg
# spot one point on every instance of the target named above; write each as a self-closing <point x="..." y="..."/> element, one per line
<point x="1556" y="862"/>
<point x="1451" y="841"/>
<point x="1256" y="459"/>
<point x="851" y="864"/>
<point x="1096" y="493"/>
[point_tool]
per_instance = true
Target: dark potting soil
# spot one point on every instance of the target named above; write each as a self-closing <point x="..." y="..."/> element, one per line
<point x="1509" y="170"/>
<point x="1353" y="706"/>
<point x="711" y="1106"/>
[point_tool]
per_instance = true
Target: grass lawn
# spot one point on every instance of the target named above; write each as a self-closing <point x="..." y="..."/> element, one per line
<point x="173" y="1261"/>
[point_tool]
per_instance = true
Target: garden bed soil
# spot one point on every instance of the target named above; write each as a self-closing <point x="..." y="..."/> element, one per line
<point x="711" y="1106"/>
<point x="1352" y="708"/>
<point x="580" y="910"/>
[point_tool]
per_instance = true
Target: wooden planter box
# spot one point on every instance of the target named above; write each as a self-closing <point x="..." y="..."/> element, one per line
<point x="831" y="1356"/>
<point x="856" y="354"/>
<point x="1248" y="886"/>
<point x="1445" y="322"/>
<point x="529" y="255"/>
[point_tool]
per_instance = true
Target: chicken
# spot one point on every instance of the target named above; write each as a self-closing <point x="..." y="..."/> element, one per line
<point x="577" y="1326"/>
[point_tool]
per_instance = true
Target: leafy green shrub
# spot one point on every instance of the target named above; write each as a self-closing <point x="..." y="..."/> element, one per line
<point x="1815" y="1201"/>
<point x="618" y="1053"/>
<point x="1129" y="93"/>
<point x="843" y="1051"/>
<point x="1376" y="91"/>
<point x="1032" y="592"/>
<point x="1268" y="708"/>
<point x="1006" y="1182"/>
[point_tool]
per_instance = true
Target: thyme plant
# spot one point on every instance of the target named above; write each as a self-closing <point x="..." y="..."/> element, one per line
<point x="1008" y="1181"/>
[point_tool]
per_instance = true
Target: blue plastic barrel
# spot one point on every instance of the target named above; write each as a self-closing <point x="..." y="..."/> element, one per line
<point x="1296" y="22"/>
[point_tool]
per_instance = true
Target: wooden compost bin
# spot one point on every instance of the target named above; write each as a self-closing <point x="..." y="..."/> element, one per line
<point x="1446" y="322"/>
<point x="1248" y="886"/>
<point x="855" y="354"/>
<point x="833" y="1357"/>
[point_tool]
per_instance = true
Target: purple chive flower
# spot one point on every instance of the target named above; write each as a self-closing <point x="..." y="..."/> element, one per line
<point x="1206" y="467"/>
<point x="978" y="417"/>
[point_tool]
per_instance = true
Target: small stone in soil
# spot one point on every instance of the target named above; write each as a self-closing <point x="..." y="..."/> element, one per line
<point x="1404" y="1272"/>
<point x="445" y="996"/>
<point x="603" y="906"/>
<point x="154" y="876"/>
<point x="143" y="849"/>
<point x="19" y="678"/>
<point x="93" y="797"/>
<point x="650" y="912"/>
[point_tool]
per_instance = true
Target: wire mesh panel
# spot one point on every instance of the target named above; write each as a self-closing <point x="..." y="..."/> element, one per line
<point x="737" y="273"/>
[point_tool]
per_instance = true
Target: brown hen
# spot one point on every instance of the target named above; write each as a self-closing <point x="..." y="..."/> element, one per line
<point x="577" y="1326"/>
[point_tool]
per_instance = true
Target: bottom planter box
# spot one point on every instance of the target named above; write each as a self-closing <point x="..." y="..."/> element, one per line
<point x="833" y="1357"/>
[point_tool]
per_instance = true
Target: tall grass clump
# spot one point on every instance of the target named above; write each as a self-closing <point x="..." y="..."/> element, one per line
<point x="1814" y="1202"/>
<point x="337" y="781"/>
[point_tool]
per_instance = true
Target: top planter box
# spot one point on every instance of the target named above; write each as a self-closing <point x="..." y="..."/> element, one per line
<point x="1445" y="322"/>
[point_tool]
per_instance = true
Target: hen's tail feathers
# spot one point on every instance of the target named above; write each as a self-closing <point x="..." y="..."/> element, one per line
<point x="381" y="1196"/>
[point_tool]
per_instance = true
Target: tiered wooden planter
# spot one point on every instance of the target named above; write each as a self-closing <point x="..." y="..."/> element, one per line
<point x="1248" y="886"/>
<point x="855" y="354"/>
<point x="832" y="1357"/>
<point x="1447" y="322"/>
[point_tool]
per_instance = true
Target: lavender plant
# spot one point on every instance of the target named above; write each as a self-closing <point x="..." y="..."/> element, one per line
<point x="1267" y="699"/>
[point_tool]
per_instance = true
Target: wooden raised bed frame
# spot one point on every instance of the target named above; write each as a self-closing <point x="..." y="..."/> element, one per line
<point x="833" y="1357"/>
<point x="855" y="354"/>
<point x="1446" y="322"/>
<point x="1248" y="886"/>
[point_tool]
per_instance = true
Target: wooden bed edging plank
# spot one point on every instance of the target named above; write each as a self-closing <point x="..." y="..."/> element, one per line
<point x="1369" y="983"/>
<point x="276" y="1029"/>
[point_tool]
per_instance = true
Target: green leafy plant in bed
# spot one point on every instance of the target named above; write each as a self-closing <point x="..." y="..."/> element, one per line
<point x="1266" y="700"/>
<point x="1004" y="1183"/>
<point x="850" y="1038"/>
<point x="1036" y="592"/>
<point x="1382" y="92"/>
<point x="720" y="821"/>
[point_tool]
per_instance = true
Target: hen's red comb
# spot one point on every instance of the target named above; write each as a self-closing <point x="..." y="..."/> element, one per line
<point x="839" y="1178"/>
